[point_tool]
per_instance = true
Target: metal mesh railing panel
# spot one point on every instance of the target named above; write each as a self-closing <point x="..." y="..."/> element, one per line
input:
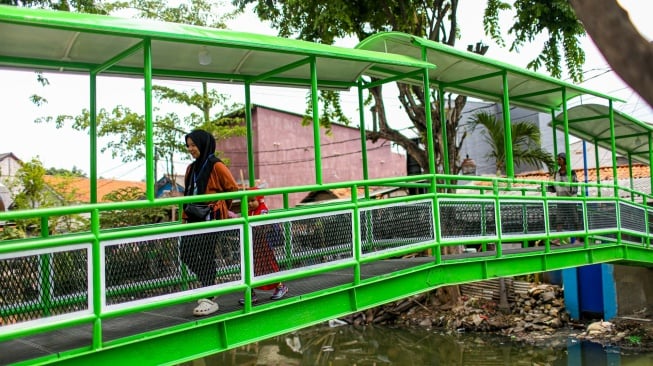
<point x="395" y="226"/>
<point x="43" y="285"/>
<point x="152" y="266"/>
<point x="467" y="218"/>
<point x="632" y="218"/>
<point x="601" y="215"/>
<point x="566" y="216"/>
<point x="310" y="240"/>
<point x="522" y="217"/>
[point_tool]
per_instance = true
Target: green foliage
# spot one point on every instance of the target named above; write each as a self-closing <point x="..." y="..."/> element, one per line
<point x="533" y="17"/>
<point x="125" y="129"/>
<point x="31" y="185"/>
<point x="222" y="124"/>
<point x="491" y="20"/>
<point x="80" y="6"/>
<point x="525" y="142"/>
<point x="28" y="191"/>
<point x="194" y="12"/>
<point x="635" y="340"/>
<point x="32" y="191"/>
<point x="66" y="193"/>
<point x="123" y="218"/>
<point x="326" y="20"/>
<point x="76" y="172"/>
<point x="332" y="111"/>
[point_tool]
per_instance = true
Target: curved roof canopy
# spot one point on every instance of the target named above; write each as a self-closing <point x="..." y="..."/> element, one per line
<point x="591" y="122"/>
<point x="74" y="42"/>
<point x="470" y="74"/>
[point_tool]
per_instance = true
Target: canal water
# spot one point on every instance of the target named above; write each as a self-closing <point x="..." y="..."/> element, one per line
<point x="345" y="345"/>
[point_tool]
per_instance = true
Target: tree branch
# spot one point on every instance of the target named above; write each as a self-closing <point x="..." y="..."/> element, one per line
<point x="624" y="48"/>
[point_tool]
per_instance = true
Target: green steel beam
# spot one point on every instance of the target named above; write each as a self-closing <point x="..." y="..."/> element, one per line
<point x="212" y="335"/>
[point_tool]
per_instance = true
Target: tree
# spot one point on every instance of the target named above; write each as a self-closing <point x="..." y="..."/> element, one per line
<point x="534" y="17"/>
<point x="526" y="142"/>
<point x="627" y="52"/>
<point x="75" y="172"/>
<point x="27" y="189"/>
<point x="31" y="191"/>
<point x="526" y="149"/>
<point x="83" y="6"/>
<point x="437" y="20"/>
<point x="324" y="21"/>
<point x="123" y="218"/>
<point x="126" y="128"/>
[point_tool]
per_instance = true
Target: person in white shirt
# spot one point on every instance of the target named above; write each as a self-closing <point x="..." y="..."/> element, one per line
<point x="566" y="215"/>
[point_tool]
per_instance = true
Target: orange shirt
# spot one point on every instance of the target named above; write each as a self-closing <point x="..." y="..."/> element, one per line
<point x="220" y="180"/>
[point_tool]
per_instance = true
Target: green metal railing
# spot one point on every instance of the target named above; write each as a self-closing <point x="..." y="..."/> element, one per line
<point x="90" y="287"/>
<point x="55" y="282"/>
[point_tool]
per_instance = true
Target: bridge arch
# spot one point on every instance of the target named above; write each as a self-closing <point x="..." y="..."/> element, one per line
<point x="104" y="295"/>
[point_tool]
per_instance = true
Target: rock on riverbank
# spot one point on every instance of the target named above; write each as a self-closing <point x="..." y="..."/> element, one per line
<point x="537" y="316"/>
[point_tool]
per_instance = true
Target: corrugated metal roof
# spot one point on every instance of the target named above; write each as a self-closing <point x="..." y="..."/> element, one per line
<point x="470" y="74"/>
<point x="591" y="122"/>
<point x="76" y="42"/>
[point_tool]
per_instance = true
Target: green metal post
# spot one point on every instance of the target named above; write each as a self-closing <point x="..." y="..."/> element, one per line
<point x="565" y="121"/>
<point x="96" y="279"/>
<point x="554" y="133"/>
<point x="93" y="136"/>
<point x="149" y="125"/>
<point x="316" y="122"/>
<point x="429" y="122"/>
<point x="46" y="270"/>
<point x="613" y="145"/>
<point x="598" y="166"/>
<point x="250" y="138"/>
<point x="630" y="176"/>
<point x="650" y="159"/>
<point x="507" y="127"/>
<point x="430" y="146"/>
<point x="358" y="247"/>
<point x="361" y="116"/>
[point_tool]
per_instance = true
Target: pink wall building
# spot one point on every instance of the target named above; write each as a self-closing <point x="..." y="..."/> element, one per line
<point x="284" y="154"/>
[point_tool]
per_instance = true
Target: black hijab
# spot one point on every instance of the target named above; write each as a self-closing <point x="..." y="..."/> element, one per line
<point x="202" y="166"/>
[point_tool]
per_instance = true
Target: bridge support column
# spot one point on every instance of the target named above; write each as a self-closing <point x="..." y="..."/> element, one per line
<point x="570" y="283"/>
<point x="606" y="291"/>
<point x="590" y="291"/>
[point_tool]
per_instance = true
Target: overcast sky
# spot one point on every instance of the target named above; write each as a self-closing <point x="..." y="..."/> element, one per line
<point x="65" y="148"/>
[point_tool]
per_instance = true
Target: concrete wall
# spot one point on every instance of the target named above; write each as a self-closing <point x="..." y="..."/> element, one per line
<point x="476" y="147"/>
<point x="285" y="154"/>
<point x="9" y="165"/>
<point x="634" y="287"/>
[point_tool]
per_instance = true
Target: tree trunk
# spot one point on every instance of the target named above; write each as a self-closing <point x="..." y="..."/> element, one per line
<point x="504" y="306"/>
<point x="629" y="54"/>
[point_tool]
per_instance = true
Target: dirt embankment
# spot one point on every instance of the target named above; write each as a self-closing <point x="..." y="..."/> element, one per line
<point x="537" y="315"/>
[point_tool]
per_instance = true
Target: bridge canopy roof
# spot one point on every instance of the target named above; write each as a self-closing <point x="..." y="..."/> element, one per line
<point x="74" y="42"/>
<point x="591" y="122"/>
<point x="478" y="76"/>
<point x="473" y="75"/>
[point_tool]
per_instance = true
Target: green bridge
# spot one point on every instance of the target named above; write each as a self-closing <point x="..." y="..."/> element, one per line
<point x="122" y="296"/>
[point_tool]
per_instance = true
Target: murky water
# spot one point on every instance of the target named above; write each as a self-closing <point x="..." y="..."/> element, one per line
<point x="382" y="346"/>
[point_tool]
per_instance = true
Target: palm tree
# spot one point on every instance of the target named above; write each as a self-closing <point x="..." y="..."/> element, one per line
<point x="526" y="149"/>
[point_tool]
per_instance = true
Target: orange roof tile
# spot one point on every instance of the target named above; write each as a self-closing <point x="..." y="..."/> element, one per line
<point x="81" y="187"/>
<point x="639" y="171"/>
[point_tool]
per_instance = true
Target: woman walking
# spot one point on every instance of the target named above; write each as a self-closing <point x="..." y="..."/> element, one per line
<point x="206" y="175"/>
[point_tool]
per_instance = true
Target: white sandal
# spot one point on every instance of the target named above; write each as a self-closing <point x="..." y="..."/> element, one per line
<point x="205" y="307"/>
